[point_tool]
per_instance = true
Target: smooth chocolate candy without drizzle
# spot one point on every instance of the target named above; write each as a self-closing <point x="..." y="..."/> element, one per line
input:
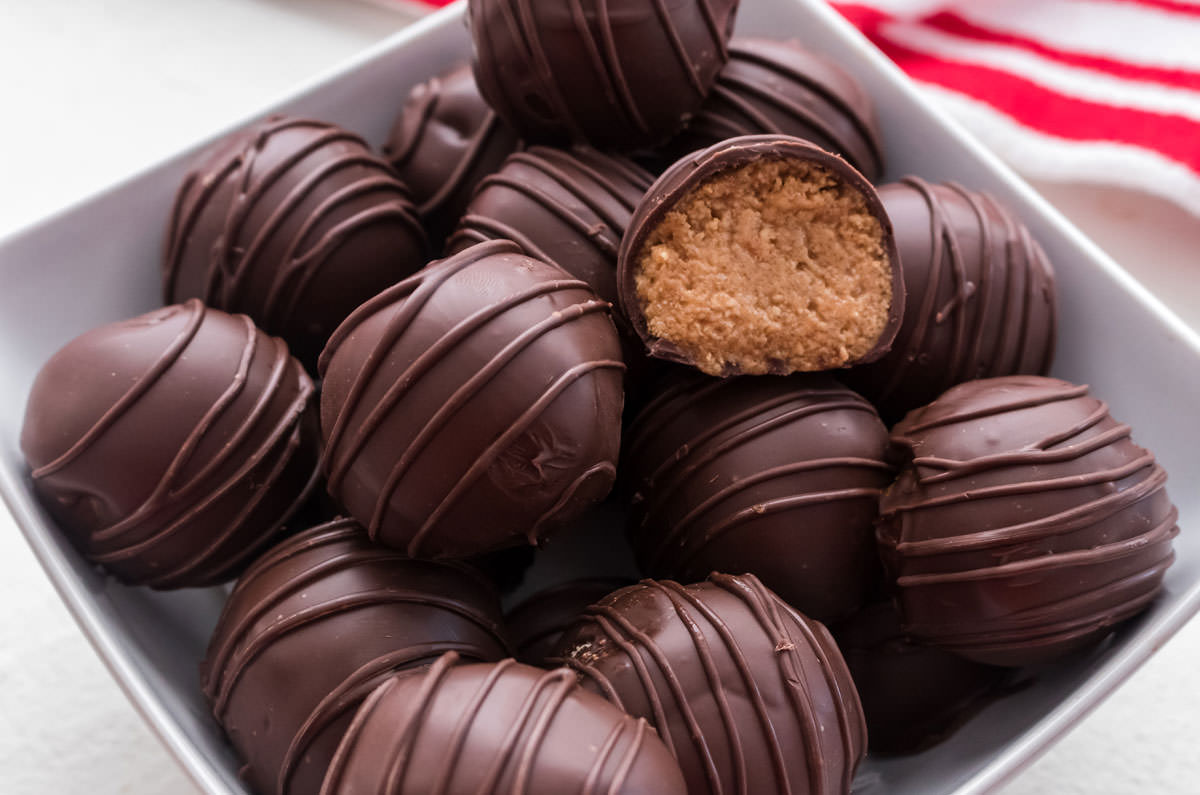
<point x="474" y="406"/>
<point x="493" y="729"/>
<point x="295" y="223"/>
<point x="313" y="627"/>
<point x="1026" y="522"/>
<point x="762" y="254"/>
<point x="172" y="447"/>
<point x="778" y="477"/>
<point x="617" y="74"/>
<point x="749" y="695"/>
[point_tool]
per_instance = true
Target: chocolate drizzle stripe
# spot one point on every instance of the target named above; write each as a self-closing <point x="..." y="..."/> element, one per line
<point x="1097" y="555"/>
<point x="681" y="527"/>
<point x="334" y="532"/>
<point x="1061" y="394"/>
<point x="681" y="51"/>
<point x="428" y="360"/>
<point x="415" y="292"/>
<point x="519" y="426"/>
<point x="1030" y="486"/>
<point x="469" y="161"/>
<point x="405" y="740"/>
<point x="467" y="717"/>
<point x="560" y="682"/>
<point x="251" y="647"/>
<point x="479" y="228"/>
<point x="349" y="694"/>
<point x="643" y="430"/>
<point x="609" y="71"/>
<point x="523" y="28"/>
<point x="632" y="641"/>
<point x="1060" y="523"/>
<point x="167" y="492"/>
<point x="145" y="383"/>
<point x="606" y="237"/>
<point x="641" y="731"/>
<point x="610" y="742"/>
<point x="337" y="766"/>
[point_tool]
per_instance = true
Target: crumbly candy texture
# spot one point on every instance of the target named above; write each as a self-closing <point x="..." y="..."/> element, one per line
<point x="775" y="266"/>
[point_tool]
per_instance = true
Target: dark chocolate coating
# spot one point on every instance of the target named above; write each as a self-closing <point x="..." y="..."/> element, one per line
<point x="487" y="729"/>
<point x="569" y="207"/>
<point x="619" y="74"/>
<point x="537" y="624"/>
<point x="313" y="627"/>
<point x="171" y="447"/>
<point x="694" y="170"/>
<point x="473" y="406"/>
<point x="749" y="695"/>
<point x="913" y="695"/>
<point x="445" y="140"/>
<point x="981" y="297"/>
<point x="294" y="223"/>
<point x="1026" y="523"/>
<point x="779" y="477"/>
<point x="772" y="86"/>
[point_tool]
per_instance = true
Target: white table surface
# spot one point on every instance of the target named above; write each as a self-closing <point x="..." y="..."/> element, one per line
<point x="93" y="89"/>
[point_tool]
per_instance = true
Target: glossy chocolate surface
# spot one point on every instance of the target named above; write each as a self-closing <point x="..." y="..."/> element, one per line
<point x="173" y="446"/>
<point x="1026" y="522"/>
<point x="779" y="477"/>
<point x="474" y="406"/>
<point x="749" y="695"/>
<point x="913" y="695"/>
<point x="694" y="170"/>
<point x="537" y="624"/>
<point x="497" y="728"/>
<point x="981" y="297"/>
<point x="313" y="627"/>
<point x="444" y="141"/>
<point x="618" y="75"/>
<point x="772" y="86"/>
<point x="294" y="223"/>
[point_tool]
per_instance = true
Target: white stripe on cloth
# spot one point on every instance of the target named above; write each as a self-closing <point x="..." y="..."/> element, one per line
<point x="1070" y="81"/>
<point x="1041" y="156"/>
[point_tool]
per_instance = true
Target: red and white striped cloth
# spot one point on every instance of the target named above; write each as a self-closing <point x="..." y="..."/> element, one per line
<point x="1100" y="91"/>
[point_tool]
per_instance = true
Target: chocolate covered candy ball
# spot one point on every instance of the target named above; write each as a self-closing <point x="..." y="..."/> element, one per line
<point x="749" y="695"/>
<point x="497" y="728"/>
<point x="778" y="477"/>
<point x="444" y="141"/>
<point x="981" y="297"/>
<point x="772" y="86"/>
<point x="1025" y="524"/>
<point x="762" y="254"/>
<point x="474" y="406"/>
<point x="294" y="223"/>
<point x="617" y="74"/>
<point x="318" y="623"/>
<point x="537" y="624"/>
<point x="172" y="447"/>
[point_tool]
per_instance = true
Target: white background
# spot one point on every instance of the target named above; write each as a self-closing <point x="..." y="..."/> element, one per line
<point x="91" y="90"/>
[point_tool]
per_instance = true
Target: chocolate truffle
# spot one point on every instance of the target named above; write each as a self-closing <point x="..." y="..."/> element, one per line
<point x="504" y="727"/>
<point x="981" y="299"/>
<point x="295" y="223"/>
<point x="762" y="254"/>
<point x="772" y="86"/>
<point x="569" y="207"/>
<point x="474" y="406"/>
<point x="537" y="624"/>
<point x="171" y="447"/>
<point x="779" y="477"/>
<point x="749" y="695"/>
<point x="618" y="74"/>
<point x="1025" y="524"/>
<point x="318" y="623"/>
<point x="444" y="141"/>
<point x="913" y="695"/>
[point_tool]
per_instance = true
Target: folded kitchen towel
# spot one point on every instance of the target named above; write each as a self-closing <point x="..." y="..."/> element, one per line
<point x="1100" y="91"/>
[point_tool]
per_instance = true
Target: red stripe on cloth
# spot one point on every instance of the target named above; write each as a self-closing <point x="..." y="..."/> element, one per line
<point x="1048" y="111"/>
<point x="949" y="22"/>
<point x="1174" y="6"/>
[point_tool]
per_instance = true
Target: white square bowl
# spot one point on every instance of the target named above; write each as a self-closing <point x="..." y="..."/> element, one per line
<point x="99" y="261"/>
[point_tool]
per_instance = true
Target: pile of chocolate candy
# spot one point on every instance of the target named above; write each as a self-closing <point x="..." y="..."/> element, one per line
<point x="360" y="435"/>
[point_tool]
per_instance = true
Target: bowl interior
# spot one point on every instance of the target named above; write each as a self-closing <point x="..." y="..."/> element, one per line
<point x="99" y="262"/>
